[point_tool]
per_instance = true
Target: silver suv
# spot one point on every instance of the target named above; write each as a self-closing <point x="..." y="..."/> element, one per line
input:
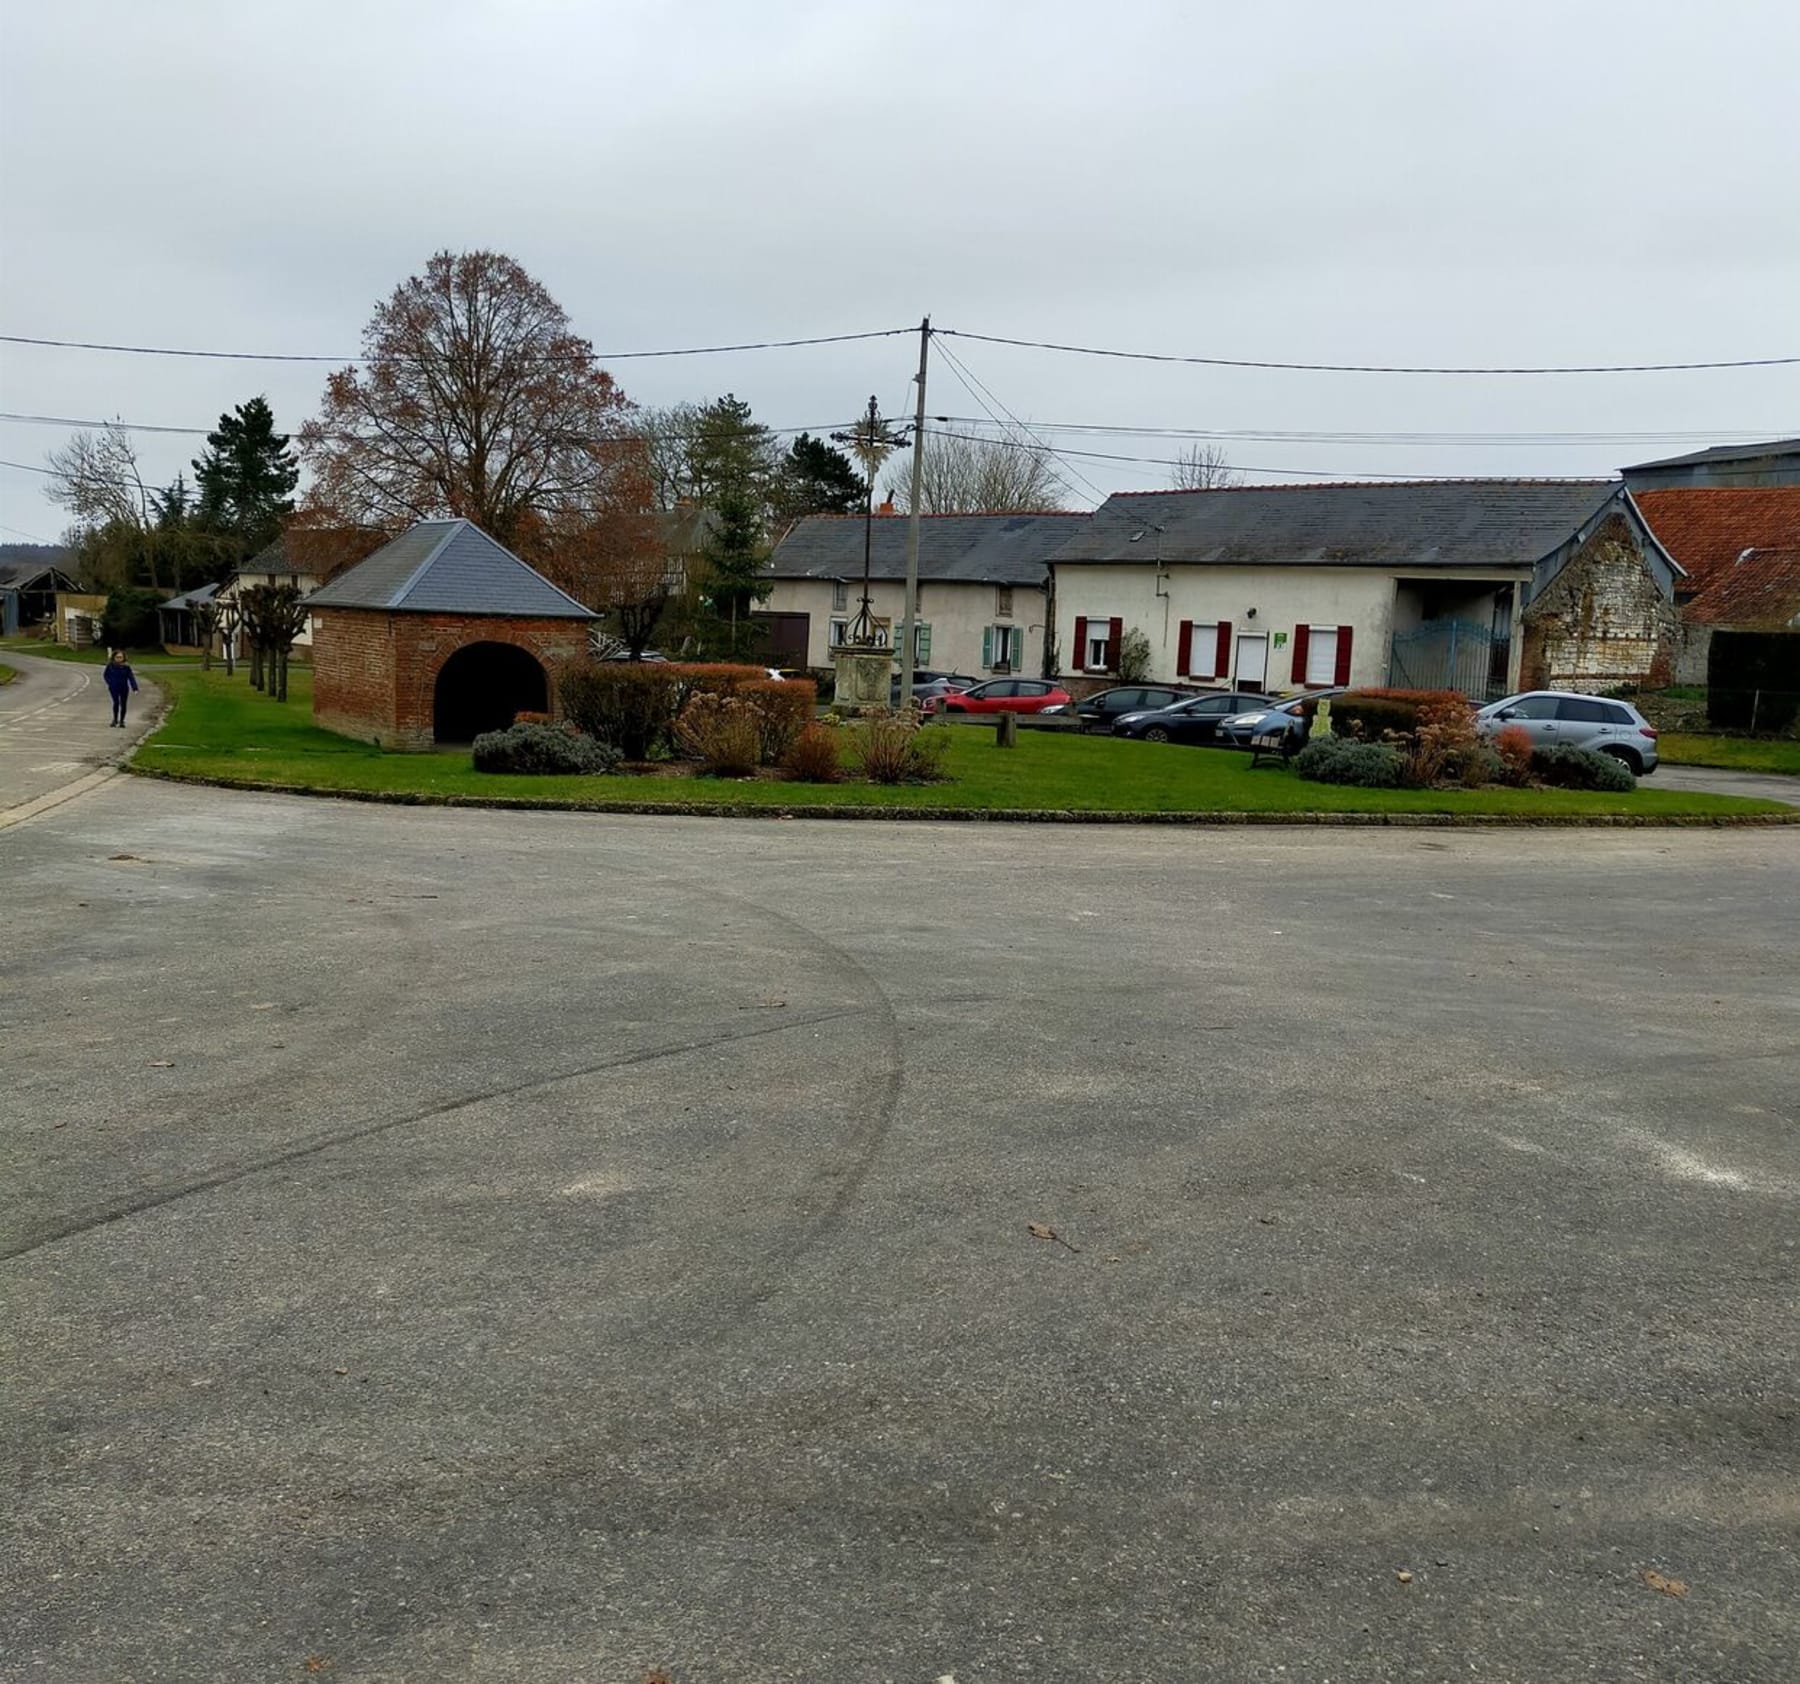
<point x="1564" y="716"/>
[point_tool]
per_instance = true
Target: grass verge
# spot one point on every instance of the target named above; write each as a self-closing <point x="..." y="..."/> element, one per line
<point x="94" y="657"/>
<point x="1736" y="754"/>
<point x="221" y="730"/>
<point x="7" y="674"/>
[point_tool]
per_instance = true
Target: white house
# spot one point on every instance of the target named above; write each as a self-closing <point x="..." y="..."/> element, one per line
<point x="983" y="604"/>
<point x="272" y="566"/>
<point x="1422" y="585"/>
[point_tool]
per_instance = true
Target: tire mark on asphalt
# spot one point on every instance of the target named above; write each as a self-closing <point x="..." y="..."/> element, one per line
<point x="154" y="1199"/>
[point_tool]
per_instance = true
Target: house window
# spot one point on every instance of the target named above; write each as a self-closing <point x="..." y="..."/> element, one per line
<point x="1003" y="602"/>
<point x="1003" y="648"/>
<point x="1204" y="661"/>
<point x="840" y="633"/>
<point x="1321" y="654"/>
<point x="840" y="595"/>
<point x="1093" y="657"/>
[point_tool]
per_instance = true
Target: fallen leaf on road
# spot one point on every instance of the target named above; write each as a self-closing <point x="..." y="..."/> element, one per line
<point x="317" y="1663"/>
<point x="162" y="1064"/>
<point x="1404" y="1577"/>
<point x="136" y="857"/>
<point x="1042" y="1231"/>
<point x="1669" y="1587"/>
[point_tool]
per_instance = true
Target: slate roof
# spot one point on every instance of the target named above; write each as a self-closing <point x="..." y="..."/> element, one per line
<point x="998" y="549"/>
<point x="1707" y="527"/>
<point x="1758" y="591"/>
<point x="1424" y="527"/>
<point x="191" y="599"/>
<point x="448" y="567"/>
<point x="1721" y="453"/>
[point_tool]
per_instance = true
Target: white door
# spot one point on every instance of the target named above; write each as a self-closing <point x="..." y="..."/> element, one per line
<point x="1252" y="660"/>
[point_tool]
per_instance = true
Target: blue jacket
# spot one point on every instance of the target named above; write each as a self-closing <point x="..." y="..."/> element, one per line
<point x="119" y="679"/>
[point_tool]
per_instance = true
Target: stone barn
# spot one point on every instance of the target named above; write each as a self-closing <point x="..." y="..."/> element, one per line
<point x="439" y="635"/>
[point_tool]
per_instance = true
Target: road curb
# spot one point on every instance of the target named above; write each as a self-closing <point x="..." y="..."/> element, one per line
<point x="1002" y="815"/>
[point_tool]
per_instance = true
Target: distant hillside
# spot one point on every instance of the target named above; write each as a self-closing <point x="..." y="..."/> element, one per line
<point x="46" y="555"/>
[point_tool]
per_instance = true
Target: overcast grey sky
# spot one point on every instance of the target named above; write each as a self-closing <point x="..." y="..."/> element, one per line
<point x="1442" y="182"/>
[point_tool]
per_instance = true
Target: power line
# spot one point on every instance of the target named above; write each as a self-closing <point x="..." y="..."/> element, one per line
<point x="1044" y="453"/>
<point x="206" y="432"/>
<point x="1358" y="368"/>
<point x="584" y="356"/>
<point x="1244" y="435"/>
<point x="981" y="393"/>
<point x="1327" y="475"/>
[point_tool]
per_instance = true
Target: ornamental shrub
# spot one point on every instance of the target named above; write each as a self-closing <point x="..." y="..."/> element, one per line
<point x="1566" y="767"/>
<point x="1374" y="712"/>
<point x="724" y="733"/>
<point x="546" y="749"/>
<point x="889" y="747"/>
<point x="633" y="704"/>
<point x="814" y="756"/>
<point x="785" y="707"/>
<point x="1512" y="747"/>
<point x="1341" y="760"/>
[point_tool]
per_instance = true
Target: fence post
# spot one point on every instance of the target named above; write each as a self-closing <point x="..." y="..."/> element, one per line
<point x="1006" y="731"/>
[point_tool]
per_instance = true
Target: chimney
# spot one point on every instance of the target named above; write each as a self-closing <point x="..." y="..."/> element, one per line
<point x="887" y="507"/>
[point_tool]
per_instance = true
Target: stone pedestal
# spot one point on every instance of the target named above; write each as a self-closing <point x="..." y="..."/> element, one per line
<point x="865" y="677"/>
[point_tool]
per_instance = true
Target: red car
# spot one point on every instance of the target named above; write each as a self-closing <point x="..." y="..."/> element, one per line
<point x="1003" y="695"/>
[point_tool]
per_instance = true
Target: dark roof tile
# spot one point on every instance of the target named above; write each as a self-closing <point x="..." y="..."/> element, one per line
<point x="448" y="567"/>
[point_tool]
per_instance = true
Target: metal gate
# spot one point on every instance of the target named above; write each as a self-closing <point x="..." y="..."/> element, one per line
<point x="1451" y="655"/>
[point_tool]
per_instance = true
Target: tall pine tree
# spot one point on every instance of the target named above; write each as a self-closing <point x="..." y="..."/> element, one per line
<point x="735" y="555"/>
<point x="816" y="478"/>
<point x="247" y="477"/>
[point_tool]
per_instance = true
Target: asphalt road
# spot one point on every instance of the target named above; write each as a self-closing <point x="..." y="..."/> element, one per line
<point x="533" y="1247"/>
<point x="55" y="727"/>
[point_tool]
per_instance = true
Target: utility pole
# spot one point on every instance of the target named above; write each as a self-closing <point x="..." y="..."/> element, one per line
<point x="912" y="524"/>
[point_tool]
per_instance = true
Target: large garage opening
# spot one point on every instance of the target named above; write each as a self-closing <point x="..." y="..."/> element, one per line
<point x="481" y="687"/>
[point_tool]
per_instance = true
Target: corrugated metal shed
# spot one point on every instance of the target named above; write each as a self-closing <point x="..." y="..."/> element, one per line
<point x="448" y="567"/>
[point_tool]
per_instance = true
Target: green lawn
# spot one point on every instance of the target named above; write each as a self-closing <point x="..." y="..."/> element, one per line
<point x="222" y="729"/>
<point x="7" y="674"/>
<point x="1739" y="754"/>
<point x="49" y="651"/>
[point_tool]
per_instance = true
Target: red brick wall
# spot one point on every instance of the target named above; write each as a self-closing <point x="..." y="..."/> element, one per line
<point x="375" y="674"/>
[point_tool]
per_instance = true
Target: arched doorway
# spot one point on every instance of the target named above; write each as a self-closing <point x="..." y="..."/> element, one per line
<point x="481" y="687"/>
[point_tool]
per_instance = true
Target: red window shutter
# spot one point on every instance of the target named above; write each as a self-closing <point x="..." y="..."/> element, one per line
<point x="1115" y="629"/>
<point x="1342" y="675"/>
<point x="1184" y="654"/>
<point x="1080" y="661"/>
<point x="1301" y="635"/>
<point x="1222" y="661"/>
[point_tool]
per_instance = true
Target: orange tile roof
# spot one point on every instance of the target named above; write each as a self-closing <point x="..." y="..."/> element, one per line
<point x="1759" y="590"/>
<point x="1706" y="528"/>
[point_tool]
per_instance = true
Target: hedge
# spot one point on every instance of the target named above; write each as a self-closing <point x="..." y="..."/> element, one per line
<point x="1567" y="767"/>
<point x="1372" y="713"/>
<point x="528" y="747"/>
<point x="633" y="704"/>
<point x="1342" y="760"/>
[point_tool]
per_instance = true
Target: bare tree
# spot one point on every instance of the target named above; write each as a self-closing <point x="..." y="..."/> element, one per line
<point x="1202" y="467"/>
<point x="962" y="475"/>
<point x="475" y="398"/>
<point x="95" y="477"/>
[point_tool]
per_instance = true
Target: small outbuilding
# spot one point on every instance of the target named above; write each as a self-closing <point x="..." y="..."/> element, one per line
<point x="440" y="635"/>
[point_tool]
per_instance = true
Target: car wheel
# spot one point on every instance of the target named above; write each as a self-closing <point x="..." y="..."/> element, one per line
<point x="1156" y="734"/>
<point x="1628" y="759"/>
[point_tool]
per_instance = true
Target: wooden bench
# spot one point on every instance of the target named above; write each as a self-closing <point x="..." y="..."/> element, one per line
<point x="1270" y="740"/>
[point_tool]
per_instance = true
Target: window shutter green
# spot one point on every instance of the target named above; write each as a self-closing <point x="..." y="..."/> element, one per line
<point x="987" y="646"/>
<point x="924" y="640"/>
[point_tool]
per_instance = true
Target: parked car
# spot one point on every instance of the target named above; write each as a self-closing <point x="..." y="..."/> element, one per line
<point x="1193" y="719"/>
<point x="1566" y="716"/>
<point x="1102" y="712"/>
<point x="1237" y="731"/>
<point x="929" y="685"/>
<point x="1002" y="695"/>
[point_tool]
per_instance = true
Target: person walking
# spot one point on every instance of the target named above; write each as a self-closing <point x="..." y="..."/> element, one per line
<point x="121" y="681"/>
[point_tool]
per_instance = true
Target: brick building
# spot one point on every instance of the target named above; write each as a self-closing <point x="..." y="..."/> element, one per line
<point x="438" y="636"/>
